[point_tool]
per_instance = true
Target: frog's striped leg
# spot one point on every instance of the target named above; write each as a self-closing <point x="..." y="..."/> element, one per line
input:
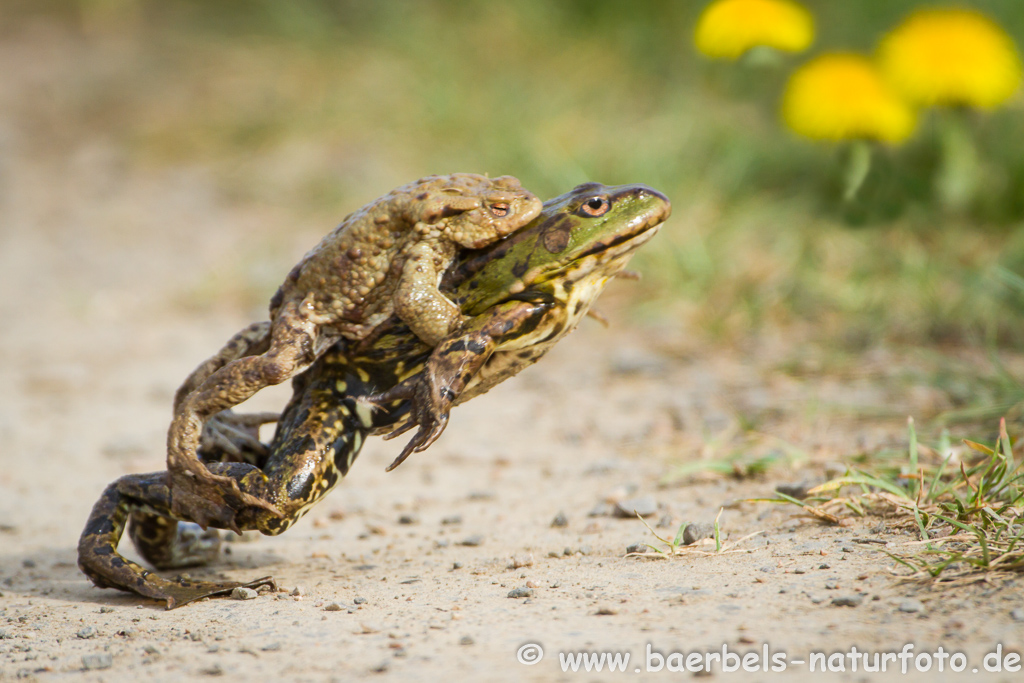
<point x="146" y="494"/>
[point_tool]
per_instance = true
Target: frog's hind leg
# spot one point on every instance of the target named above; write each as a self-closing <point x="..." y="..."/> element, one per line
<point x="146" y="497"/>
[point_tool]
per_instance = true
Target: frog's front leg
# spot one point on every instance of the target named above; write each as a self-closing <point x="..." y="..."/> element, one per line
<point x="145" y="498"/>
<point x="197" y="493"/>
<point x="451" y="367"/>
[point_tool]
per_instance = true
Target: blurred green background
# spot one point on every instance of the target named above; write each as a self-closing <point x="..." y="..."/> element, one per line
<point x="318" y="106"/>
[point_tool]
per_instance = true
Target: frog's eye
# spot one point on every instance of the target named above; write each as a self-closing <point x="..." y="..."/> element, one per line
<point x="596" y="206"/>
<point x="500" y="210"/>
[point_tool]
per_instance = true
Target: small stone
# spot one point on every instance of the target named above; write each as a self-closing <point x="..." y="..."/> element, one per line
<point x="382" y="667"/>
<point x="472" y="541"/>
<point x="560" y="520"/>
<point x="645" y="506"/>
<point x="213" y="670"/>
<point x="554" y="553"/>
<point x="523" y="592"/>
<point x="1017" y="614"/>
<point x="567" y="551"/>
<point x="453" y="519"/>
<point x="796" y="490"/>
<point x="297" y="591"/>
<point x="698" y="531"/>
<point x="466" y="640"/>
<point x="586" y="550"/>
<point x="106" y="610"/>
<point x="824" y="565"/>
<point x="520" y="561"/>
<point x="150" y="650"/>
<point x="86" y="633"/>
<point x="798" y="570"/>
<point x="602" y="509"/>
<point x="817" y="599"/>
<point x="408" y="519"/>
<point x="832" y="584"/>
<point x="28" y="563"/>
<point x="910" y="605"/>
<point x="272" y="647"/>
<point x="359" y="600"/>
<point x="333" y="607"/>
<point x="847" y="601"/>
<point x="243" y="593"/>
<point x="4" y="635"/>
<point x="637" y="548"/>
<point x="102" y="660"/>
<point x="606" y="611"/>
<point x="369" y="628"/>
<point x="456" y="565"/>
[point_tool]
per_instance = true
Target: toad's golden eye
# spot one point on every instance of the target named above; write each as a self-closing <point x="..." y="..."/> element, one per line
<point x="500" y="210"/>
<point x="596" y="206"/>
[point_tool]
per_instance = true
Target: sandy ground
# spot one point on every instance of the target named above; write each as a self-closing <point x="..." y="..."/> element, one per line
<point x="407" y="576"/>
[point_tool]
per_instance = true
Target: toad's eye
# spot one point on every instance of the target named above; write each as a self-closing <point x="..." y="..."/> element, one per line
<point x="500" y="210"/>
<point x="596" y="206"/>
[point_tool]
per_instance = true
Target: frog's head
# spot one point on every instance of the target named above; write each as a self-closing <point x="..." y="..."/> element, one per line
<point x="587" y="234"/>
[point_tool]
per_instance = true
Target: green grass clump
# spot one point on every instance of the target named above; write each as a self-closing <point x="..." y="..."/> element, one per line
<point x="968" y="510"/>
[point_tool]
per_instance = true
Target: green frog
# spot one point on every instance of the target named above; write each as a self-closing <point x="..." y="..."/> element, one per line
<point x="519" y="297"/>
<point x="385" y="259"/>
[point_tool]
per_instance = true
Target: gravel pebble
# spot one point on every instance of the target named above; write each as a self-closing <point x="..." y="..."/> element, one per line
<point x="1017" y="614"/>
<point x="243" y="593"/>
<point x="637" y="548"/>
<point x="606" y="611"/>
<point x="645" y="506"/>
<point x="910" y="605"/>
<point x="86" y="633"/>
<point x="848" y="601"/>
<point x="408" y="519"/>
<point x="698" y="531"/>
<point x="796" y="489"/>
<point x="359" y="600"/>
<point x="297" y="591"/>
<point x="333" y="607"/>
<point x="520" y="561"/>
<point x="560" y="520"/>
<point x="103" y="660"/>
<point x="521" y="593"/>
<point x="466" y="640"/>
<point x="473" y="540"/>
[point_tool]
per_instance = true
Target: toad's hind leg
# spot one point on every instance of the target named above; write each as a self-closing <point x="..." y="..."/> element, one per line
<point x="197" y="493"/>
<point x="145" y="497"/>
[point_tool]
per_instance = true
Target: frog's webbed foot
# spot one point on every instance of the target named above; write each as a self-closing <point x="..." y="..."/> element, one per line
<point x="234" y="437"/>
<point x="183" y="589"/>
<point x="429" y="411"/>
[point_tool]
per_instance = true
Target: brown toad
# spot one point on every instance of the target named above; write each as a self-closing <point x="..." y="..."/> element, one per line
<point x="386" y="258"/>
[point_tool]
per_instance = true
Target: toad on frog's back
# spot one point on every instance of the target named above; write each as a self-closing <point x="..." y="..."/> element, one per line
<point x="386" y="258"/>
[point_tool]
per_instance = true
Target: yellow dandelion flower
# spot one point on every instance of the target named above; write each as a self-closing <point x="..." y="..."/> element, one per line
<point x="951" y="56"/>
<point x="728" y="28"/>
<point x="842" y="96"/>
